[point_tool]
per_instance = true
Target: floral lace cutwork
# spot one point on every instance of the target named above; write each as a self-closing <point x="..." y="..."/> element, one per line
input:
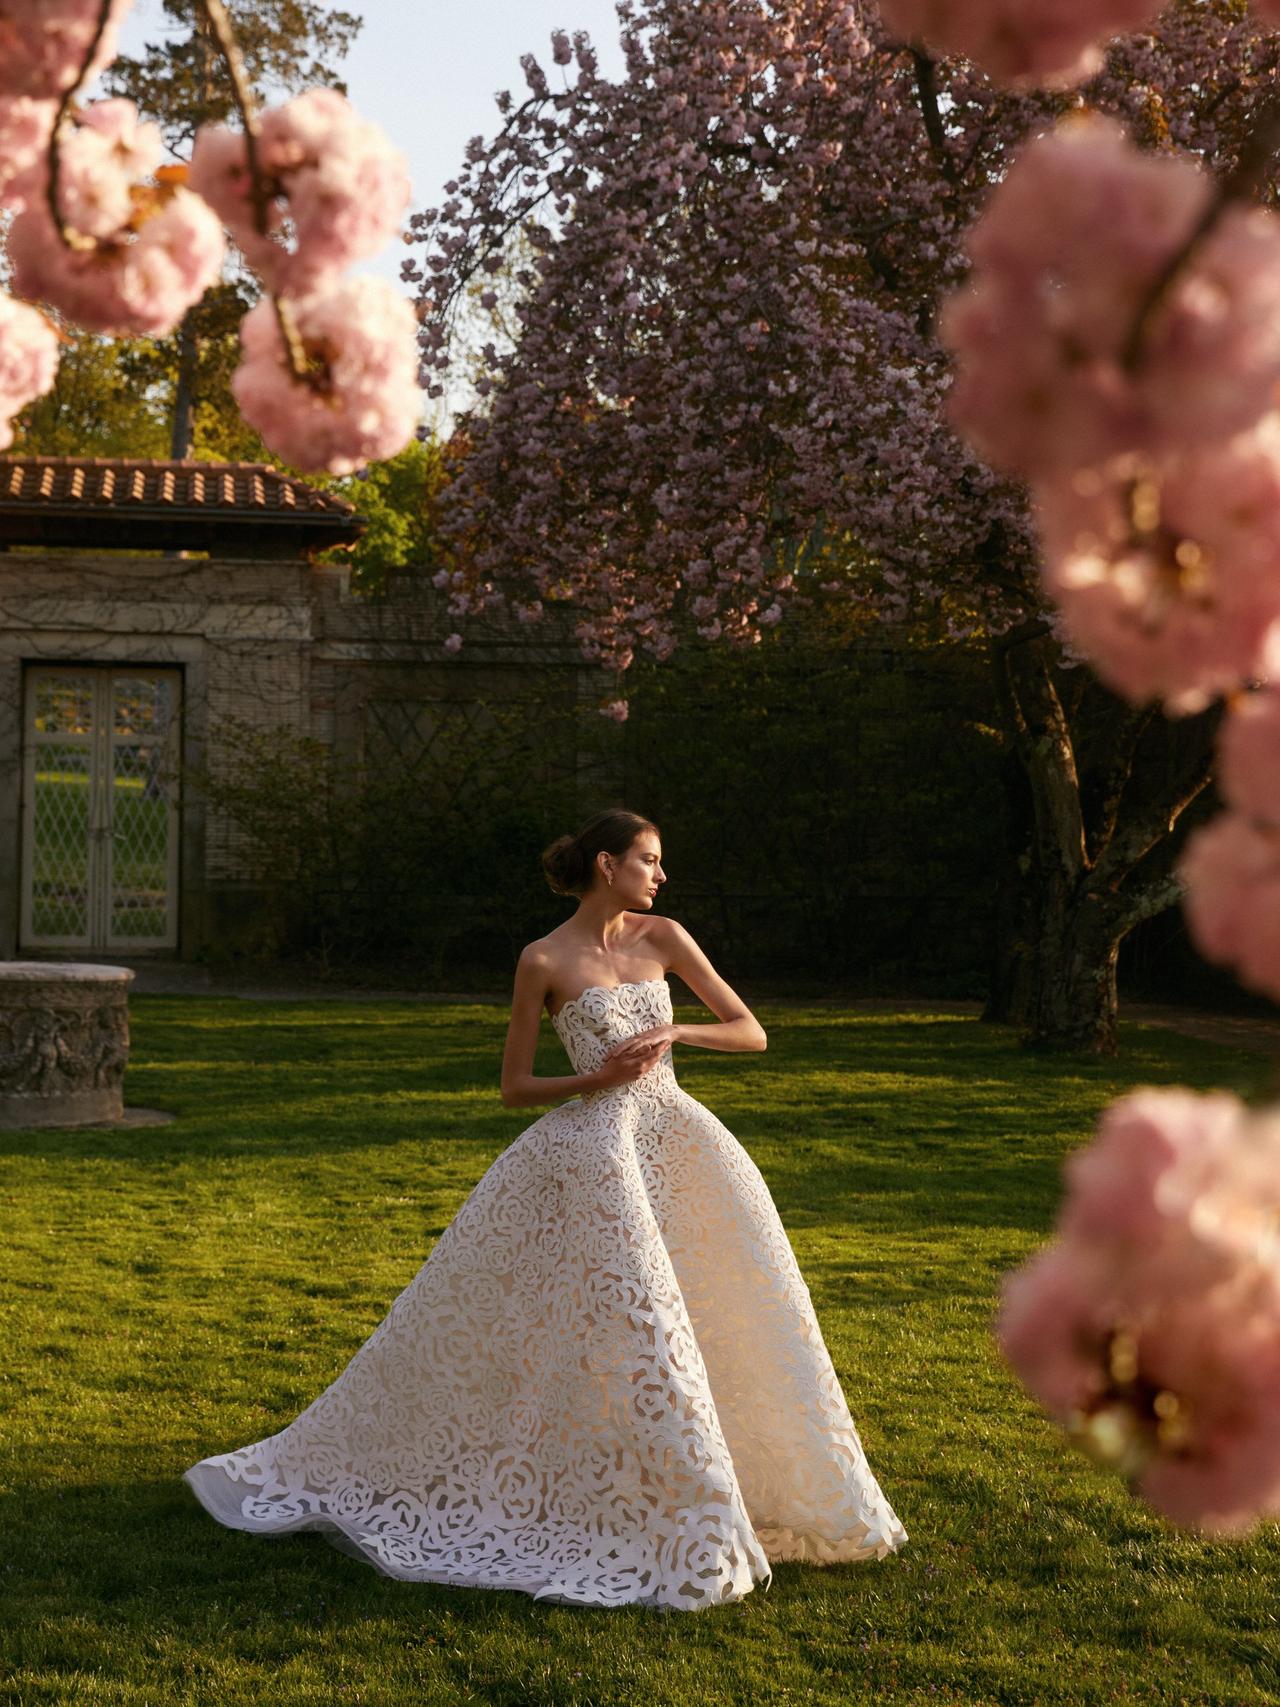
<point x="605" y="1385"/>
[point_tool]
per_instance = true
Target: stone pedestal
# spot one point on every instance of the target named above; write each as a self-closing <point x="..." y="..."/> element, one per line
<point x="64" y="1043"/>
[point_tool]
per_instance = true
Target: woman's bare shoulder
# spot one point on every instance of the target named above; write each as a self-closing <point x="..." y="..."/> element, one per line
<point x="539" y="954"/>
<point x="661" y="931"/>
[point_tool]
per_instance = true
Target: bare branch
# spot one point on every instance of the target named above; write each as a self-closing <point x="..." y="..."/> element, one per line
<point x="927" y="94"/>
<point x="1148" y="830"/>
<point x="215" y="14"/>
<point x="67" y="234"/>
<point x="1125" y="732"/>
<point x="1156" y="898"/>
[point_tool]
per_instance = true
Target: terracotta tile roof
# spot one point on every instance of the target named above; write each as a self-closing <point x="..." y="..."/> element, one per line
<point x="242" y="509"/>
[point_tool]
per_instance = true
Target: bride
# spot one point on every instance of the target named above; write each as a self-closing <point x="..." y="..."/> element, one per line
<point x="606" y="1385"/>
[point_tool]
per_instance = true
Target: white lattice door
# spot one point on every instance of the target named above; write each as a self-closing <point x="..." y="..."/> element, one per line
<point x="100" y="808"/>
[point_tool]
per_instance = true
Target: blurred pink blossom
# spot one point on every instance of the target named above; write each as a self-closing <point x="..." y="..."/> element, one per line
<point x="102" y="158"/>
<point x="1249" y="755"/>
<point x="24" y="134"/>
<point x="1029" y="41"/>
<point x="1154" y="1153"/>
<point x="1151" y="1328"/>
<point x="1219" y="1354"/>
<point x="364" y="402"/>
<point x="1063" y="258"/>
<point x="155" y="249"/>
<point x="28" y="360"/>
<point x="1164" y="573"/>
<point x="43" y="44"/>
<point x="1053" y="1327"/>
<point x="1231" y="869"/>
<point x="338" y="187"/>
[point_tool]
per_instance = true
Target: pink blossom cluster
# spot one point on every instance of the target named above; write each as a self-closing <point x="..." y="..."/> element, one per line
<point x="1062" y="259"/>
<point x="44" y="46"/>
<point x="1164" y="570"/>
<point x="1154" y="467"/>
<point x="143" y="253"/>
<point x="338" y="188"/>
<point x="43" y="49"/>
<point x="44" y="43"/>
<point x="1021" y="41"/>
<point x="1151" y="1328"/>
<point x="362" y="403"/>
<point x="334" y="192"/>
<point x="28" y="360"/>
<point x="132" y="247"/>
<point x="1231" y="867"/>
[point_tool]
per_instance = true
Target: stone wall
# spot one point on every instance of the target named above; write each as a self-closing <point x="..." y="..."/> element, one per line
<point x="277" y="644"/>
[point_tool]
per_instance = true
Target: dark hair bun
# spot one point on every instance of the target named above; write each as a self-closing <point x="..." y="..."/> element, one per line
<point x="569" y="863"/>
<point x="565" y="866"/>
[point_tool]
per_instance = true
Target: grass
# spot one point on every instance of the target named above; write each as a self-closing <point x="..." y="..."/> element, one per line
<point x="179" y="1291"/>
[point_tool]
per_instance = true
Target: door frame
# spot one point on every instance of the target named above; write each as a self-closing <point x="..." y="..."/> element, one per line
<point x="102" y="743"/>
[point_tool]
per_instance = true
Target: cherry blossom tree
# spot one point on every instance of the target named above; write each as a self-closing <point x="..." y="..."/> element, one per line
<point x="728" y="392"/>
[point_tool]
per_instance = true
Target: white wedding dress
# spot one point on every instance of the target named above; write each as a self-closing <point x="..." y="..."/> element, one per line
<point x="606" y="1384"/>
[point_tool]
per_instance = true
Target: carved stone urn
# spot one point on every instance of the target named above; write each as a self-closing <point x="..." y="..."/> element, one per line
<point x="64" y="1043"/>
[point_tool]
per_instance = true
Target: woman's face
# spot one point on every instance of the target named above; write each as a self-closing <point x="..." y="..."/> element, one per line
<point x="638" y="873"/>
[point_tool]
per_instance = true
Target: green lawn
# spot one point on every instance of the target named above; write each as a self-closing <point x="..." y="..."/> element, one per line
<point x="174" y="1292"/>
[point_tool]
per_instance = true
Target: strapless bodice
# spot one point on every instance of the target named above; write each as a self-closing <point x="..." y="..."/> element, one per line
<point x="592" y="1023"/>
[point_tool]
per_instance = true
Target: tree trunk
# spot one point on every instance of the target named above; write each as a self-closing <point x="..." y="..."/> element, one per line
<point x="184" y="394"/>
<point x="1076" y="881"/>
<point x="1074" y="1001"/>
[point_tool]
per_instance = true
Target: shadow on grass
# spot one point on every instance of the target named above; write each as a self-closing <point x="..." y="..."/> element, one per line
<point x="137" y="1542"/>
<point x="874" y="1122"/>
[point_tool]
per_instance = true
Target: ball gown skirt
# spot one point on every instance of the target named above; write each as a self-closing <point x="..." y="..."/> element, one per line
<point x="606" y="1385"/>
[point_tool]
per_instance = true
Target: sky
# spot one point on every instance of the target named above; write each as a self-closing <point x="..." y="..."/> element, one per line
<point x="427" y="72"/>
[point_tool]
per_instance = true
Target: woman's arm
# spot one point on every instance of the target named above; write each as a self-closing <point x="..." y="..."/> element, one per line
<point x="738" y="1029"/>
<point x="520" y="1087"/>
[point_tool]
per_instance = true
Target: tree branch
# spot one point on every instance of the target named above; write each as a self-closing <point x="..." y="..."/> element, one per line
<point x="215" y="15"/>
<point x="1148" y="829"/>
<point x="67" y="234"/>
<point x="927" y="94"/>
<point x="1156" y="898"/>
<point x="1124" y="732"/>
<point x="1043" y="739"/>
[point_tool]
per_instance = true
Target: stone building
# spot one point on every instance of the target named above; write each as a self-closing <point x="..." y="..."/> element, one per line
<point x="141" y="605"/>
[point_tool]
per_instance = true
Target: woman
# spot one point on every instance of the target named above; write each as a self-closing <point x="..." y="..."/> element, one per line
<point x="606" y="1385"/>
